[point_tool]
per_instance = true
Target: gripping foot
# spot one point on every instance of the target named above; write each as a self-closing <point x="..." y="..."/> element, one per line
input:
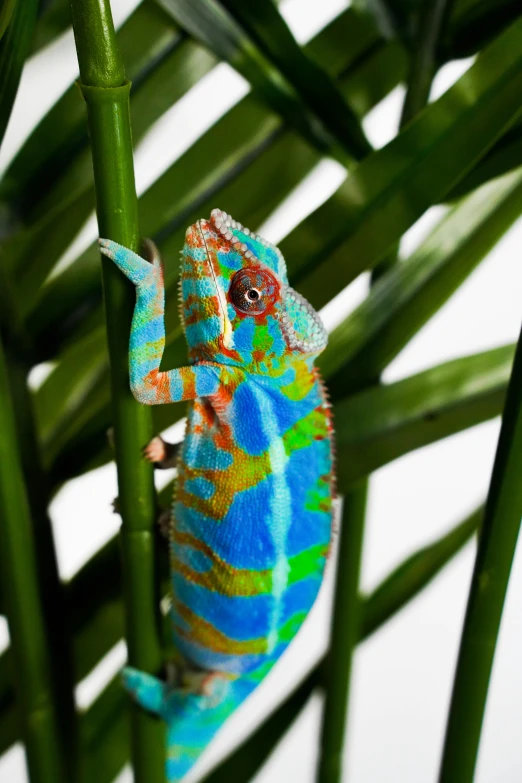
<point x="162" y="454"/>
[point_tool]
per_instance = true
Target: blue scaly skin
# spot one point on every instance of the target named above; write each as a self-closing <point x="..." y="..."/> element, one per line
<point x="252" y="510"/>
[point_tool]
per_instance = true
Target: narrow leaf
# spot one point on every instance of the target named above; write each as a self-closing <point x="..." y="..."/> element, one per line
<point x="106" y="735"/>
<point x="414" y="573"/>
<point x="496" y="549"/>
<point x="145" y="39"/>
<point x="211" y="24"/>
<point x="474" y="23"/>
<point x="268" y="29"/>
<point x="376" y="426"/>
<point x="14" y="48"/>
<point x="54" y="19"/>
<point x="406" y="297"/>
<point x="386" y="194"/>
<point x="6" y="13"/>
<point x="45" y="745"/>
<point x="505" y="156"/>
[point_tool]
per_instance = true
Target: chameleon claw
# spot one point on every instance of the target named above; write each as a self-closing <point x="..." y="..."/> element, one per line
<point x="156" y="450"/>
<point x="131" y="264"/>
<point x="106" y="248"/>
<point x="147" y="690"/>
<point x="163" y="455"/>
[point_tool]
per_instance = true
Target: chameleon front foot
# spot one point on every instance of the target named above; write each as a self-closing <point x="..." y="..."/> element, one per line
<point x="162" y="454"/>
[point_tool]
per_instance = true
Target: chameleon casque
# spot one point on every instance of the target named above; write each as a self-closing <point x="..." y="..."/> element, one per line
<point x="252" y="511"/>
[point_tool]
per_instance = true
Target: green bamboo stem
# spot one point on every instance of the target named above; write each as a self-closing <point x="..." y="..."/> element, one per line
<point x="345" y="633"/>
<point x="51" y="590"/>
<point x="489" y="583"/>
<point x="345" y="618"/>
<point x="102" y="81"/>
<point x="45" y="750"/>
<point x="19" y="19"/>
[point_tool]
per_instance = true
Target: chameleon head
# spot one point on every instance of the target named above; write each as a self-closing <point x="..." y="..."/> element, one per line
<point x="236" y="304"/>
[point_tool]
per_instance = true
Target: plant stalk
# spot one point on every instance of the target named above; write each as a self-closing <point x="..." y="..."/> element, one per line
<point x="50" y="588"/>
<point x="345" y="619"/>
<point x="45" y="748"/>
<point x="346" y="616"/>
<point x="489" y="583"/>
<point x="106" y="92"/>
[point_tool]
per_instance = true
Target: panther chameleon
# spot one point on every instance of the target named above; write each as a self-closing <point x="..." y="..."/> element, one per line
<point x="251" y="517"/>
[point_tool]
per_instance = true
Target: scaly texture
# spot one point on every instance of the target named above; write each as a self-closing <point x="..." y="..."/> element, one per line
<point x="251" y="516"/>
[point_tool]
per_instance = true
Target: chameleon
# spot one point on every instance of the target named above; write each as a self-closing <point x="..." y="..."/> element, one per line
<point x="251" y="517"/>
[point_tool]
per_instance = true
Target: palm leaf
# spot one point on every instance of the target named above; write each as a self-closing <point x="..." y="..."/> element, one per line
<point x="304" y="102"/>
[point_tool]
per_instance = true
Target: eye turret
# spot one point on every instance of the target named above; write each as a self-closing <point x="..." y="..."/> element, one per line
<point x="254" y="291"/>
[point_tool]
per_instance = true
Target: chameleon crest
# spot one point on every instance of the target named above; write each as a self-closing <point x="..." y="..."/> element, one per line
<point x="251" y="515"/>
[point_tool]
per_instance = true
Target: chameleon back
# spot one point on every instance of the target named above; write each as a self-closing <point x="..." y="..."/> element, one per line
<point x="251" y="524"/>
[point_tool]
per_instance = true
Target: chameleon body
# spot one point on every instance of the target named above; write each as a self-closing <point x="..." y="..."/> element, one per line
<point x="252" y="510"/>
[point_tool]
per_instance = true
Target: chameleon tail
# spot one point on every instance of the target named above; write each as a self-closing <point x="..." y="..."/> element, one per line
<point x="192" y="718"/>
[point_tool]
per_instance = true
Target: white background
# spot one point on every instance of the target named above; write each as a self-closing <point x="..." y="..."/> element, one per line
<point x="403" y="674"/>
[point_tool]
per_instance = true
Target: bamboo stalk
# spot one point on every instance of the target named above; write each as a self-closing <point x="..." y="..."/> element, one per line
<point x="489" y="583"/>
<point x="337" y="666"/>
<point x="44" y="746"/>
<point x="345" y="618"/>
<point x="50" y="588"/>
<point x="20" y="21"/>
<point x="106" y="92"/>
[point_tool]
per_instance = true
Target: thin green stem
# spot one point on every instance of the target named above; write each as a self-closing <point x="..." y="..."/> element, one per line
<point x="51" y="589"/>
<point x="106" y="93"/>
<point x="45" y="749"/>
<point x="489" y="583"/>
<point x="19" y="19"/>
<point x="345" y="620"/>
<point x="345" y="634"/>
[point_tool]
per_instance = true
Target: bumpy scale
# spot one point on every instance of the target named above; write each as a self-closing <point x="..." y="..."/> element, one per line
<point x="251" y="516"/>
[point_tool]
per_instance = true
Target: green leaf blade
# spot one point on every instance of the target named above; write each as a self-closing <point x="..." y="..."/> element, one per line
<point x="377" y="426"/>
<point x="389" y="191"/>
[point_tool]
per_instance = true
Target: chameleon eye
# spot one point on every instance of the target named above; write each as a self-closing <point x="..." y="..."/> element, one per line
<point x="253" y="291"/>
